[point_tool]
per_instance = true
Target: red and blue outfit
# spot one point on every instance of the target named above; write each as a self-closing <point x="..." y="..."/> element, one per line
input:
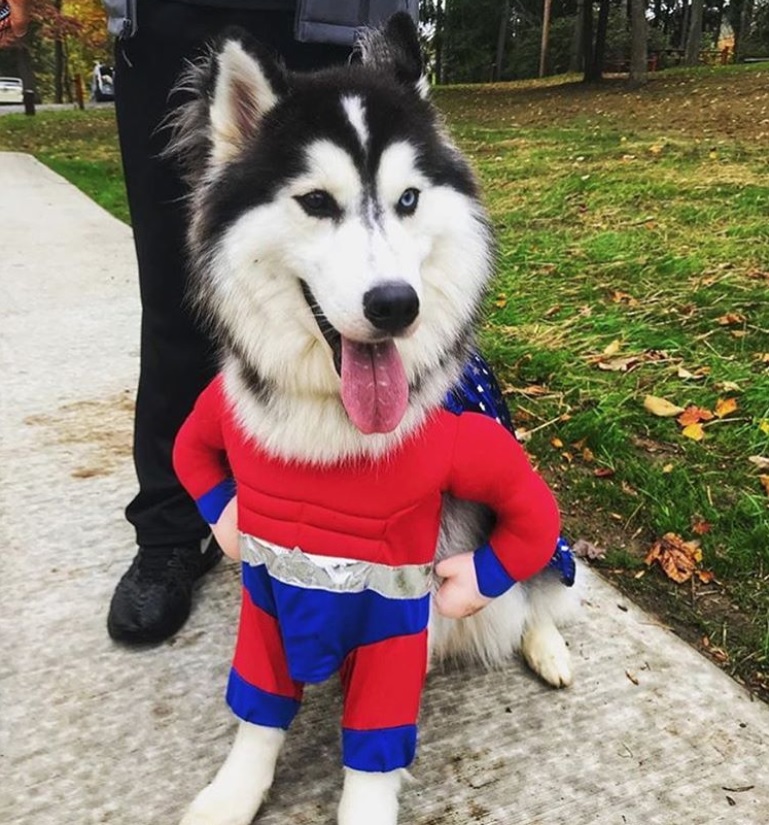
<point x="337" y="562"/>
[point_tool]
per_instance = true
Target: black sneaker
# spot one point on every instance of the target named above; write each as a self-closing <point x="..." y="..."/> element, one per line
<point x="153" y="599"/>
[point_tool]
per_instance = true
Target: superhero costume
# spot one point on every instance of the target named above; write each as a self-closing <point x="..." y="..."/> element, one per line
<point x="337" y="562"/>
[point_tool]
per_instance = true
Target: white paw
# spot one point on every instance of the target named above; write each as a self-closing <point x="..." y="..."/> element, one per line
<point x="545" y="652"/>
<point x="370" y="798"/>
<point x="216" y="804"/>
<point x="240" y="787"/>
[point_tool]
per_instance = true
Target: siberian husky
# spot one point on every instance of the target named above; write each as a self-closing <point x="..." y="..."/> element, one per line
<point x="307" y="192"/>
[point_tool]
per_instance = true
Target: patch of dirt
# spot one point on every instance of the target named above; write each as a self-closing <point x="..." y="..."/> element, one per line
<point x="98" y="433"/>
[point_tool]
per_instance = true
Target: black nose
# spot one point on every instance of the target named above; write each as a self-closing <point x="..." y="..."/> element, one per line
<point x="391" y="307"/>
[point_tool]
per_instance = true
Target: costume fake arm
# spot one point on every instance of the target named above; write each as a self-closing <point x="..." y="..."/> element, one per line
<point x="491" y="467"/>
<point x="200" y="463"/>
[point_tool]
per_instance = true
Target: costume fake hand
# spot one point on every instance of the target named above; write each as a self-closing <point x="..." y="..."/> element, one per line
<point x="458" y="596"/>
<point x="19" y="20"/>
<point x="226" y="530"/>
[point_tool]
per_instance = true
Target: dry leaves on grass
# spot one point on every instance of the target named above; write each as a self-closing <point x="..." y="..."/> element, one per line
<point x="731" y="319"/>
<point x="725" y="406"/>
<point x="661" y="407"/>
<point x="626" y="363"/>
<point x="678" y="558"/>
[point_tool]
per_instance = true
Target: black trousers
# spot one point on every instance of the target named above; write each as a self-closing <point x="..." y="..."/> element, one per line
<point x="177" y="360"/>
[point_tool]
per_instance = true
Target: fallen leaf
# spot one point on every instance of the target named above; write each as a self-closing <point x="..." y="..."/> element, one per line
<point x="678" y="558"/>
<point x="587" y="455"/>
<point x="668" y="468"/>
<point x="613" y="348"/>
<point x="725" y="406"/>
<point x="501" y="301"/>
<point x="731" y="318"/>
<point x="701" y="527"/>
<point x="729" y="386"/>
<point x="556" y="442"/>
<point x="619" y="297"/>
<point x="661" y="407"/>
<point x="552" y="311"/>
<point x="655" y="149"/>
<point x="605" y="472"/>
<point x="693" y="415"/>
<point x="699" y="375"/>
<point x="764" y="479"/>
<point x="621" y="364"/>
<point x="705" y="576"/>
<point x="583" y="549"/>
<point x="693" y="431"/>
<point x="738" y="333"/>
<point x="761" y="461"/>
<point x="763" y="425"/>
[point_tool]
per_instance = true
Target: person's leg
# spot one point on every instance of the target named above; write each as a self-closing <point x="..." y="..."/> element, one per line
<point x="153" y="599"/>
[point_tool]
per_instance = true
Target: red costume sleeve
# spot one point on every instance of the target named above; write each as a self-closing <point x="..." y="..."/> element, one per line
<point x="489" y="466"/>
<point x="199" y="454"/>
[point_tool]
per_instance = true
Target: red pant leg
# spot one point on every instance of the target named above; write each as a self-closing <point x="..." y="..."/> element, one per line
<point x="260" y="689"/>
<point x="383" y="686"/>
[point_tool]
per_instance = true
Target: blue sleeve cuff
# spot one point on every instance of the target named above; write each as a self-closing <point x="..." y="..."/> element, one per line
<point x="212" y="503"/>
<point x="493" y="579"/>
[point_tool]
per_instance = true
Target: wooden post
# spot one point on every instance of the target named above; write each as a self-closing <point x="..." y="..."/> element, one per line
<point x="545" y="37"/>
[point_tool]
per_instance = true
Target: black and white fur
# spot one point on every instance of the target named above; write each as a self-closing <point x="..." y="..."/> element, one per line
<point x="278" y="276"/>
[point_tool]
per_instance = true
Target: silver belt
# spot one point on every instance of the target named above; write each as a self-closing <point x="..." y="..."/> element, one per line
<point x="408" y="581"/>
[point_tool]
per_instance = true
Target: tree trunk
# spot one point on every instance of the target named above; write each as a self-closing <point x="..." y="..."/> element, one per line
<point x="684" y="25"/>
<point x="594" y="71"/>
<point x="719" y="23"/>
<point x="25" y="68"/>
<point x="58" y="71"/>
<point x="743" y="32"/>
<point x="694" y="38"/>
<point x="545" y="37"/>
<point x="639" y="62"/>
<point x="587" y="38"/>
<point x="501" y="40"/>
<point x="440" y="22"/>
<point x="577" y="51"/>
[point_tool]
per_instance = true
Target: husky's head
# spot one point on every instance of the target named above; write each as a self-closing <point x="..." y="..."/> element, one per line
<point x="338" y="246"/>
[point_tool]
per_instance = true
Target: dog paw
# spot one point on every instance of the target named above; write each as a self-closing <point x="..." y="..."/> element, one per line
<point x="370" y="798"/>
<point x="216" y="804"/>
<point x="545" y="652"/>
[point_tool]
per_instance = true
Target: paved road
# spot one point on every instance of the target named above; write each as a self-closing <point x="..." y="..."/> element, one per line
<point x="13" y="109"/>
<point x="650" y="734"/>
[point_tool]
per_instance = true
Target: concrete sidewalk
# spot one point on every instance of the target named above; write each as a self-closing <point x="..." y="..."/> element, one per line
<point x="93" y="733"/>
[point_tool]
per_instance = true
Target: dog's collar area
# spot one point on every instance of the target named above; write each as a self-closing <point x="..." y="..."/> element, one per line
<point x="328" y="331"/>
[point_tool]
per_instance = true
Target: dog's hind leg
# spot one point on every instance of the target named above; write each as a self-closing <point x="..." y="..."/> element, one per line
<point x="370" y="798"/>
<point x="525" y="619"/>
<point x="242" y="783"/>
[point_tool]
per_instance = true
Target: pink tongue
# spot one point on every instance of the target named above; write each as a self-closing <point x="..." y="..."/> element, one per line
<point x="375" y="391"/>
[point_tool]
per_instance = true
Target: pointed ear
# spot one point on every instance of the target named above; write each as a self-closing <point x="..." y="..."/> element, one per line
<point x="395" y="49"/>
<point x="246" y="88"/>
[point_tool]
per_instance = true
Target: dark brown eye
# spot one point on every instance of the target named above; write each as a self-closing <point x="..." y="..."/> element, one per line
<point x="319" y="204"/>
<point x="408" y="202"/>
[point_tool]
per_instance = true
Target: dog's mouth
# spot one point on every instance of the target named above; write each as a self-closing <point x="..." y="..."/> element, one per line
<point x="375" y="390"/>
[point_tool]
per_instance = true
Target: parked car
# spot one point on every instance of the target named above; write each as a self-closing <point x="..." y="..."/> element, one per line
<point x="11" y="90"/>
<point x="102" y="83"/>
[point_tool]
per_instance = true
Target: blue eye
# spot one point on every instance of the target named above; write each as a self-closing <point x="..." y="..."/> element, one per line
<point x="408" y="201"/>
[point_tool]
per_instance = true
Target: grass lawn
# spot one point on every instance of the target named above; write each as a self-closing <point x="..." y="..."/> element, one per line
<point x="633" y="234"/>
